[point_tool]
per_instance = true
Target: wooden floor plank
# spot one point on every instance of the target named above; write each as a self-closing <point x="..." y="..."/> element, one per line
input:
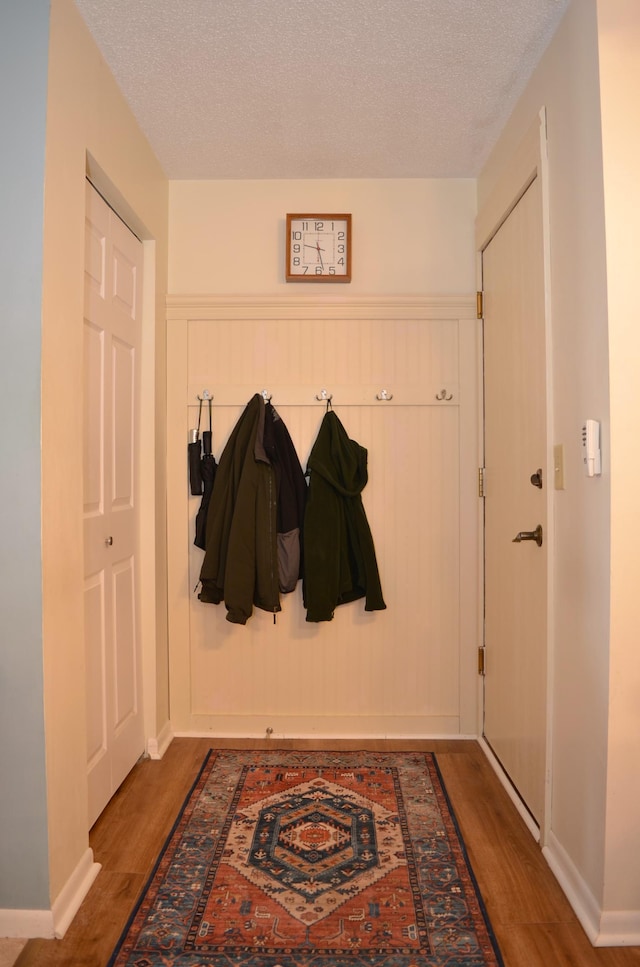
<point x="533" y="921"/>
<point x="559" y="945"/>
<point x="511" y="871"/>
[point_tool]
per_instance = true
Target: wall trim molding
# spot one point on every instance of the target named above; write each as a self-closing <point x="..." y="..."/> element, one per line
<point x="68" y="901"/>
<point x="604" y="928"/>
<point x="327" y="736"/>
<point x="158" y="745"/>
<point x="619" y="928"/>
<point x="54" y="923"/>
<point x="584" y="904"/>
<point x="26" y="924"/>
<point x="266" y="307"/>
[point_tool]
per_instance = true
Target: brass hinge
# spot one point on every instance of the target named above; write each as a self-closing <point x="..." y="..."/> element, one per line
<point x="481" y="660"/>
<point x="481" y="482"/>
<point x="479" y="305"/>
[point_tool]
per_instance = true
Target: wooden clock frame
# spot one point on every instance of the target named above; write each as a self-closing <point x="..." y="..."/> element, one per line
<point x="324" y="276"/>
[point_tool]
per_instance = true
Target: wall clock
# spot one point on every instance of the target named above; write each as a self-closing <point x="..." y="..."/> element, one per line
<point x="318" y="248"/>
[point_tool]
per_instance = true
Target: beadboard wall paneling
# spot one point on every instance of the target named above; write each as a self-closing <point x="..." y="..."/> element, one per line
<point x="410" y="670"/>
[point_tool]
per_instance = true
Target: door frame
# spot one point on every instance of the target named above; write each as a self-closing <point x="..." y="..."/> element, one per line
<point x="527" y="162"/>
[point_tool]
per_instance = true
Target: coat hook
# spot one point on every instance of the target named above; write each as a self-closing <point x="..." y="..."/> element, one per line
<point x="266" y="396"/>
<point x="384" y="395"/>
<point x="324" y="397"/>
<point x="206" y="395"/>
<point x="442" y="395"/>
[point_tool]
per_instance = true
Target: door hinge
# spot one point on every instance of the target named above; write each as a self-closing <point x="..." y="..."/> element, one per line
<point x="481" y="660"/>
<point x="481" y="492"/>
<point x="479" y="305"/>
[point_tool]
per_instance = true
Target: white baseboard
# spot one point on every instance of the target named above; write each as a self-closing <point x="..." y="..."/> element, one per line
<point x="26" y="924"/>
<point x="619" y="928"/>
<point x="604" y="928"/>
<point x="324" y="737"/>
<point x="321" y="727"/>
<point x="525" y="815"/>
<point x="158" y="745"/>
<point x="68" y="901"/>
<point x="48" y="924"/>
<point x="583" y="902"/>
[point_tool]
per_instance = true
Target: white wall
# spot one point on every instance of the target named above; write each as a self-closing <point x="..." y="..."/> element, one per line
<point x="594" y="840"/>
<point x="24" y="879"/>
<point x="409" y="236"/>
<point x="87" y="115"/>
<point x="619" y="40"/>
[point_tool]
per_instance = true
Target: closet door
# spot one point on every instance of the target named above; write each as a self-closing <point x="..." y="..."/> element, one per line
<point x="113" y="287"/>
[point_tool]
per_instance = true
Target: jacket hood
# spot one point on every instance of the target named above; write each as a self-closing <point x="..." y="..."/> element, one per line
<point x="340" y="461"/>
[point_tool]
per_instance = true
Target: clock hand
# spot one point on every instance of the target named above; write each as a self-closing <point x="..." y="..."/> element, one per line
<point x="317" y="249"/>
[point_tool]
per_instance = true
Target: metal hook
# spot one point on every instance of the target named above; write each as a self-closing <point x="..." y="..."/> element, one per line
<point x="206" y="395"/>
<point x="384" y="395"/>
<point x="324" y="397"/>
<point x="442" y="395"/>
<point x="266" y="396"/>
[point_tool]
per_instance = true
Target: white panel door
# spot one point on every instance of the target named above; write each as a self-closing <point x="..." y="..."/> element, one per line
<point x="515" y="449"/>
<point x="113" y="287"/>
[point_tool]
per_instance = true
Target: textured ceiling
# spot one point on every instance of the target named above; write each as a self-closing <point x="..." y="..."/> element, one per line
<point x="322" y="88"/>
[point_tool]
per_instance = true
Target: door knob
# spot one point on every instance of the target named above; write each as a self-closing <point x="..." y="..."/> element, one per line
<point x="535" y="535"/>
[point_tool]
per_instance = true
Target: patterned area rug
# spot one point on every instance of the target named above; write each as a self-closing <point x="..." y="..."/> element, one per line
<point x="312" y="859"/>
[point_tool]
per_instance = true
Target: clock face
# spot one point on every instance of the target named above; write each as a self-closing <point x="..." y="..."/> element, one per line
<point x="318" y="248"/>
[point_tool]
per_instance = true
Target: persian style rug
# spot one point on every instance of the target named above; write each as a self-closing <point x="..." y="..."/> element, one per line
<point x="312" y="859"/>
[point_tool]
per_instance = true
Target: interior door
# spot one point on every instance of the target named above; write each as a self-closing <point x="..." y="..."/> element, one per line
<point x="113" y="288"/>
<point x="516" y="479"/>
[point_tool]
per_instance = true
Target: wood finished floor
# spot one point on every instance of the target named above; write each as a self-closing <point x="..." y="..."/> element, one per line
<point x="531" y="917"/>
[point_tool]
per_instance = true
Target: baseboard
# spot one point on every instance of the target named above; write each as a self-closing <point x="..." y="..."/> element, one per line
<point x="583" y="902"/>
<point x="158" y="745"/>
<point x="321" y="726"/>
<point x="619" y="928"/>
<point x="48" y="924"/>
<point x="26" y="924"/>
<point x="68" y="901"/>
<point x="506" y="783"/>
<point x="612" y="928"/>
<point x="352" y="736"/>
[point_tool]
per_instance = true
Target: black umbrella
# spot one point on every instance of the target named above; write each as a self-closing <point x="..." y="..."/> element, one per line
<point x="208" y="469"/>
<point x="194" y="455"/>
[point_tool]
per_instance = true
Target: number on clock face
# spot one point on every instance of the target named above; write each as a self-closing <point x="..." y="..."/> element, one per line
<point x="318" y="248"/>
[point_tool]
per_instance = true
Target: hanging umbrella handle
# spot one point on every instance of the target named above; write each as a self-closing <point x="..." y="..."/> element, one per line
<point x="207" y="437"/>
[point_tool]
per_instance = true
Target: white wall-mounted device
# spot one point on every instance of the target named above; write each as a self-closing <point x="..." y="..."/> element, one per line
<point x="591" y="448"/>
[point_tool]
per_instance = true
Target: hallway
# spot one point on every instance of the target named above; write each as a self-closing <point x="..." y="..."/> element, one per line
<point x="533" y="922"/>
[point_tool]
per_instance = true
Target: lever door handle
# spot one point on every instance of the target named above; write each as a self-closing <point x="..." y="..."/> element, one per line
<point x="536" y="478"/>
<point x="535" y="535"/>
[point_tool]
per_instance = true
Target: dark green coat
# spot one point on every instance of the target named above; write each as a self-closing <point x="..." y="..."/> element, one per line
<point x="240" y="564"/>
<point x="340" y="560"/>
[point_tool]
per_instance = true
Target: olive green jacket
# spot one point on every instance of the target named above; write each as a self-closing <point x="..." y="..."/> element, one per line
<point x="339" y="556"/>
<point x="241" y="560"/>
